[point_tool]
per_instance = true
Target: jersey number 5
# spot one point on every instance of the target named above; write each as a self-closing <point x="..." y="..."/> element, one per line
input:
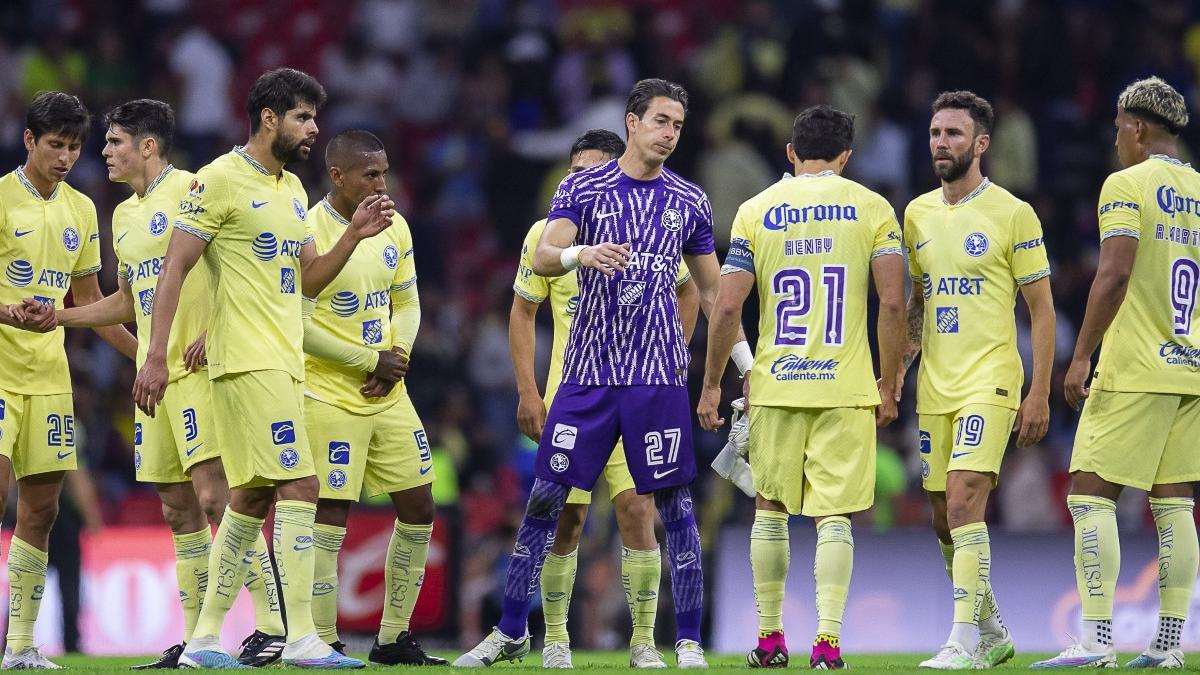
<point x="795" y="285"/>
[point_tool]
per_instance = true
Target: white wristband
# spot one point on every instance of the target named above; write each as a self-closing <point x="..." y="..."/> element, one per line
<point x="570" y="257"/>
<point x="742" y="357"/>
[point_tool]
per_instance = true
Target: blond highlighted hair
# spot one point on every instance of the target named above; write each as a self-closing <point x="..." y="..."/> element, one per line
<point x="1157" y="101"/>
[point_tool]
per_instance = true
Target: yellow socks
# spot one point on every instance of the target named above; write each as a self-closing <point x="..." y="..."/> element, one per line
<point x="328" y="542"/>
<point x="832" y="567"/>
<point x="989" y="613"/>
<point x="641" y="572"/>
<point x="971" y="579"/>
<point x="228" y="561"/>
<point x="558" y="578"/>
<point x="770" y="556"/>
<point x="260" y="583"/>
<point x="26" y="586"/>
<point x="296" y="556"/>
<point x="1097" y="563"/>
<point x="1178" y="557"/>
<point x="402" y="577"/>
<point x="191" y="572"/>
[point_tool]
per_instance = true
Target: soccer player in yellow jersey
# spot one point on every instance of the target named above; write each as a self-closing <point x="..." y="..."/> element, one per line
<point x="176" y="450"/>
<point x="247" y="217"/>
<point x="362" y="328"/>
<point x="810" y="243"/>
<point x="1141" y="414"/>
<point x="49" y="245"/>
<point x="971" y="246"/>
<point x="640" y="557"/>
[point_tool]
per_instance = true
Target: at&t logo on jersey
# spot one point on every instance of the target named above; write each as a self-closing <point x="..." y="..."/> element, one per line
<point x="976" y="244"/>
<point x="158" y="224"/>
<point x="19" y="273"/>
<point x="390" y="256"/>
<point x="372" y="332"/>
<point x="299" y="209"/>
<point x="265" y="246"/>
<point x="344" y="303"/>
<point x="336" y="479"/>
<point x="564" y="436"/>
<point x="947" y="319"/>
<point x="339" y="452"/>
<point x="672" y="220"/>
<point x="71" y="239"/>
<point x="146" y="301"/>
<point x="287" y="280"/>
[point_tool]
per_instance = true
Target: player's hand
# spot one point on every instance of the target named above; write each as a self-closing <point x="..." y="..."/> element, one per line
<point x="608" y="258"/>
<point x="194" y="356"/>
<point x="1075" y="387"/>
<point x="392" y="367"/>
<point x="531" y="417"/>
<point x="1033" y="419"/>
<point x="376" y="388"/>
<point x="373" y="215"/>
<point x="150" y="384"/>
<point x="710" y="418"/>
<point x="887" y="411"/>
<point x="37" y="316"/>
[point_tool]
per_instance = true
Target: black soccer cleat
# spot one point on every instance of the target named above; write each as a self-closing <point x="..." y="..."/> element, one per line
<point x="403" y="652"/>
<point x="261" y="649"/>
<point x="761" y="658"/>
<point x="169" y="659"/>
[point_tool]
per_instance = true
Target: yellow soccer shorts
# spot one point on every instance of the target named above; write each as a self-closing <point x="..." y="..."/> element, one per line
<point x="973" y="438"/>
<point x="37" y="433"/>
<point x="385" y="452"/>
<point x="181" y="434"/>
<point x="815" y="461"/>
<point x="260" y="428"/>
<point x="1139" y="439"/>
<point x="616" y="474"/>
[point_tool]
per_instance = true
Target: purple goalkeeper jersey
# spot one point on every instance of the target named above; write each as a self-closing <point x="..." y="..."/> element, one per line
<point x="626" y="330"/>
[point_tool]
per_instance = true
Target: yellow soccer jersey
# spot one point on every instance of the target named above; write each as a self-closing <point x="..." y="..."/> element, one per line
<point x="969" y="260"/>
<point x="809" y="241"/>
<point x="140" y="237"/>
<point x="44" y="243"/>
<point x="356" y="306"/>
<point x="255" y="224"/>
<point x="564" y="300"/>
<point x="1153" y="344"/>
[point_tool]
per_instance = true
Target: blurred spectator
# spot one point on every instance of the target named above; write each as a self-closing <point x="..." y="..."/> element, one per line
<point x="204" y="111"/>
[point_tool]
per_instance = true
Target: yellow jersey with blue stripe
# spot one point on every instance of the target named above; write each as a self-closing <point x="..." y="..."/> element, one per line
<point x="969" y="259"/>
<point x="563" y="293"/>
<point x="809" y="241"/>
<point x="141" y="231"/>
<point x="44" y="243"/>
<point x="356" y="306"/>
<point x="255" y="223"/>
<point x="1153" y="344"/>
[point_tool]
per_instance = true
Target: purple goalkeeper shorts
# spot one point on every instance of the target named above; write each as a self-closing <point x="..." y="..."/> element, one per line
<point x="584" y="423"/>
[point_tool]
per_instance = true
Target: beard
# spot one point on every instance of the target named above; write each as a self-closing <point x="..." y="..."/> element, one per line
<point x="957" y="168"/>
<point x="287" y="150"/>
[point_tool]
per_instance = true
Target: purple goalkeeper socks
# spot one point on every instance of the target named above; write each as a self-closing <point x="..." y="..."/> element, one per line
<point x="683" y="550"/>
<point x="534" y="539"/>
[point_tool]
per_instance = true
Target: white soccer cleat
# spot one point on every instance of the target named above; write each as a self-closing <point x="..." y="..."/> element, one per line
<point x="645" y="656"/>
<point x="557" y="655"/>
<point x="1077" y="656"/>
<point x="28" y="659"/>
<point x="689" y="654"/>
<point x="994" y="650"/>
<point x="1169" y="659"/>
<point x="494" y="648"/>
<point x="952" y="656"/>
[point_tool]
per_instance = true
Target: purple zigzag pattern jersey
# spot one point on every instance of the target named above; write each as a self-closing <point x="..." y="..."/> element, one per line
<point x="626" y="330"/>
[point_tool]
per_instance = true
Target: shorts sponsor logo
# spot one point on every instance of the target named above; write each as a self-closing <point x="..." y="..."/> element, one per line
<point x="336" y="479"/>
<point x="947" y="319"/>
<point x="631" y="292"/>
<point x="289" y="458"/>
<point x="19" y="273"/>
<point x="287" y="280"/>
<point x="1" y="408"/>
<point x="299" y="209"/>
<point x="559" y="462"/>
<point x="926" y="440"/>
<point x="158" y="224"/>
<point x="283" y="433"/>
<point x="564" y="436"/>
<point x="924" y="468"/>
<point x="339" y="452"/>
<point x="137" y="433"/>
<point x="71" y="239"/>
<point x="146" y="301"/>
<point x="372" y="332"/>
<point x="390" y="256"/>
<point x="265" y="246"/>
<point x="976" y="244"/>
<point x="672" y="220"/>
<point x="344" y="303"/>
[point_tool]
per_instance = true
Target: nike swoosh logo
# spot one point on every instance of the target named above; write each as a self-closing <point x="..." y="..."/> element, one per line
<point x="956" y="455"/>
<point x="923" y="244"/>
<point x="121" y="237"/>
<point x="22" y="234"/>
<point x="193" y="449"/>
<point x="64" y="455"/>
<point x="661" y="474"/>
<point x="610" y="214"/>
<point x="255" y="205"/>
<point x="302" y="548"/>
<point x="425" y="469"/>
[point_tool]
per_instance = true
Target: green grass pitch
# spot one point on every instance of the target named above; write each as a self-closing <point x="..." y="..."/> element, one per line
<point x="617" y="660"/>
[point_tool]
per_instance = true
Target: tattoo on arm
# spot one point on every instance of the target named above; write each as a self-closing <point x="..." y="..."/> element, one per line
<point x="916" y="321"/>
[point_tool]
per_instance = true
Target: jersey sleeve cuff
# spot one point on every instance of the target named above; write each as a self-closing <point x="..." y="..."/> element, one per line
<point x="891" y="250"/>
<point x="527" y="295"/>
<point x="564" y="213"/>
<point x="1030" y="278"/>
<point x="404" y="285"/>
<point x="309" y="239"/>
<point x="1120" y="232"/>
<point x="85" y="272"/>
<point x="704" y="249"/>
<point x="731" y="266"/>
<point x="194" y="231"/>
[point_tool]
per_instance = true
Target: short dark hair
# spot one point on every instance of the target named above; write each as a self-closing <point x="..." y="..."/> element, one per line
<point x="145" y="117"/>
<point x="976" y="106"/>
<point x="350" y="143"/>
<point x="599" y="139"/>
<point x="646" y="90"/>
<point x="57" y="112"/>
<point x="822" y="132"/>
<point x="281" y="90"/>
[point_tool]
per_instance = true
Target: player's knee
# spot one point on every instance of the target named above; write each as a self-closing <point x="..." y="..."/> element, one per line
<point x="213" y="506"/>
<point x="40" y="516"/>
<point x="635" y="519"/>
<point x="570" y="525"/>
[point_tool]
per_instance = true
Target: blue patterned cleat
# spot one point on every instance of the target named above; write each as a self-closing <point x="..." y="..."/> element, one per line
<point x="209" y="658"/>
<point x="334" y="661"/>
<point x="1169" y="659"/>
<point x="1076" y="656"/>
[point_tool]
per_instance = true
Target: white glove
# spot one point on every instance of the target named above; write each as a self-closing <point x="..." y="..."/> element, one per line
<point x="731" y="463"/>
<point x="739" y="428"/>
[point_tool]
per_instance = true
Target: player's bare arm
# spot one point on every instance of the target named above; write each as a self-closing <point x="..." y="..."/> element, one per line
<point x="373" y="215"/>
<point x="522" y="345"/>
<point x="888" y="273"/>
<point x="183" y="252"/>
<point x="724" y="329"/>
<point x="688" y="297"/>
<point x="116" y="308"/>
<point x="86" y="290"/>
<point x="1108" y="292"/>
<point x="1033" y="417"/>
<point x="914" y="326"/>
<point x="706" y="272"/>
<point x="556" y="255"/>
